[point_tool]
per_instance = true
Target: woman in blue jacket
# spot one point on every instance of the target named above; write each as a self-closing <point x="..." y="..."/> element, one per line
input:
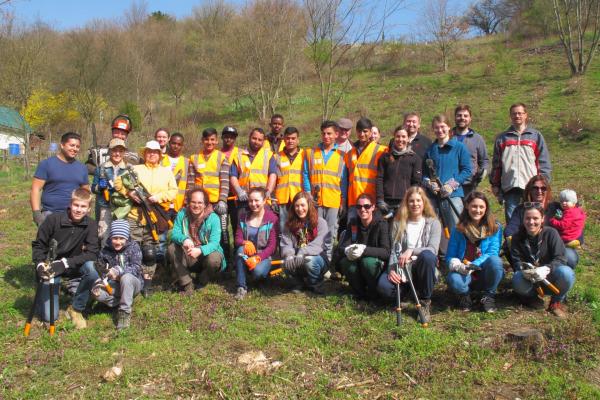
<point x="472" y="254"/>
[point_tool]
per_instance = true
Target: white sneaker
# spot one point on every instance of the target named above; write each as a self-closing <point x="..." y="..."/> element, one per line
<point x="241" y="293"/>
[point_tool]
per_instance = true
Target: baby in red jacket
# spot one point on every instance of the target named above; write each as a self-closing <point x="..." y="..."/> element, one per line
<point x="569" y="219"/>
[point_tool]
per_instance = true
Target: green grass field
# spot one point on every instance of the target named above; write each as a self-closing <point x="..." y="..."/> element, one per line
<point x="333" y="346"/>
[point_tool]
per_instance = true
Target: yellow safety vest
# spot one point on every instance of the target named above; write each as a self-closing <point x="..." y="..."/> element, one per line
<point x="328" y="177"/>
<point x="207" y="171"/>
<point x="362" y="171"/>
<point x="180" y="174"/>
<point x="267" y="145"/>
<point x="255" y="173"/>
<point x="289" y="176"/>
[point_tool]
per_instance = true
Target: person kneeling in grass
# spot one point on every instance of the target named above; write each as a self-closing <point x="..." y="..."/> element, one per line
<point x="364" y="248"/>
<point x="537" y="255"/>
<point x="123" y="257"/>
<point x="255" y="239"/>
<point x="195" y="242"/>
<point x="473" y="254"/>
<point x="77" y="237"/>
<point x="303" y="243"/>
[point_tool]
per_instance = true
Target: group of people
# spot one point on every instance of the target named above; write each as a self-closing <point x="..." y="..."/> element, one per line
<point x="376" y="215"/>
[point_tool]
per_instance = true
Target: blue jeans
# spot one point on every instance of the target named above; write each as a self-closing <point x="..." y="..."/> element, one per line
<point x="314" y="268"/>
<point x="487" y="280"/>
<point x="260" y="272"/>
<point x="572" y="257"/>
<point x="124" y="290"/>
<point x="512" y="198"/>
<point x="563" y="277"/>
<point x="88" y="276"/>
<point x="423" y="274"/>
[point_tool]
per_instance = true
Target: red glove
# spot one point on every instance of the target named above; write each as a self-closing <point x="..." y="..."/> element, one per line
<point x="249" y="248"/>
<point x="252" y="261"/>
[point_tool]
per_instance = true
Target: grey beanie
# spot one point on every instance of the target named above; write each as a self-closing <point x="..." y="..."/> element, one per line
<point x="568" y="196"/>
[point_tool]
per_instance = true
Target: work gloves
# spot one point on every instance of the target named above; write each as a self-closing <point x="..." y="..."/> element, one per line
<point x="432" y="186"/>
<point x="354" y="251"/>
<point x="102" y="184"/>
<point x="249" y="248"/>
<point x="293" y="263"/>
<point x="221" y="207"/>
<point x="450" y="186"/>
<point x="537" y="274"/>
<point x="242" y="196"/>
<point x="47" y="271"/>
<point x="38" y="217"/>
<point x="252" y="262"/>
<point x="456" y="265"/>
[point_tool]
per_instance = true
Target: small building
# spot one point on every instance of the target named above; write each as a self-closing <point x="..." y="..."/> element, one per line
<point x="13" y="131"/>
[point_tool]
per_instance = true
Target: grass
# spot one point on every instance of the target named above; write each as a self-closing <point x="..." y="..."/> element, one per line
<point x="333" y="347"/>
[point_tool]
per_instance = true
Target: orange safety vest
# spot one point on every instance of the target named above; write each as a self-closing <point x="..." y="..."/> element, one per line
<point x="328" y="177"/>
<point x="362" y="171"/>
<point x="180" y="173"/>
<point x="255" y="173"/>
<point x="207" y="171"/>
<point x="289" y="176"/>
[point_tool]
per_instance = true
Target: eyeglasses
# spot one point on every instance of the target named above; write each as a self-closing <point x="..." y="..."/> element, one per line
<point x="542" y="189"/>
<point x="532" y="204"/>
<point x="365" y="206"/>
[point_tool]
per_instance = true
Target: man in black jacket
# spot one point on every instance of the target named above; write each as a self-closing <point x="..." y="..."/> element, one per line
<point x="77" y="237"/>
<point x="418" y="142"/>
<point x="365" y="248"/>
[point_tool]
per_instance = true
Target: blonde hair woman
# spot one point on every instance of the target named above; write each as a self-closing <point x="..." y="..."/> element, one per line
<point x="416" y="233"/>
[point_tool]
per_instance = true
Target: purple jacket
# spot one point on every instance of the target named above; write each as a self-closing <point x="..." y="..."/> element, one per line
<point x="266" y="241"/>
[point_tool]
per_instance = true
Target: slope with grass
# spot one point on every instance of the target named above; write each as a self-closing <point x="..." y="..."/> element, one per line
<point x="333" y="346"/>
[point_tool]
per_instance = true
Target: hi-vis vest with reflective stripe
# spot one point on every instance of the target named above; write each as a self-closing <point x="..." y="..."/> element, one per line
<point x="328" y="177"/>
<point x="362" y="171"/>
<point x="180" y="174"/>
<point x="235" y="158"/>
<point x="267" y="145"/>
<point x="289" y="176"/>
<point x="255" y="173"/>
<point x="206" y="172"/>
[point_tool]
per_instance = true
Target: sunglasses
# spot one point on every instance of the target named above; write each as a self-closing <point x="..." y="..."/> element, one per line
<point x="365" y="206"/>
<point x="542" y="189"/>
<point x="533" y="204"/>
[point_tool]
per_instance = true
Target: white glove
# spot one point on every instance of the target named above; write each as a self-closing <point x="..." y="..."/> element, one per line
<point x="354" y="251"/>
<point x="456" y="265"/>
<point x="540" y="273"/>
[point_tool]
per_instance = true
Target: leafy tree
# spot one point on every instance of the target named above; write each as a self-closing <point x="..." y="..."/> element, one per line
<point x="45" y="110"/>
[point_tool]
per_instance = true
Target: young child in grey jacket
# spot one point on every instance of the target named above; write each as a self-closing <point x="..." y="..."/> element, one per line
<point x="122" y="258"/>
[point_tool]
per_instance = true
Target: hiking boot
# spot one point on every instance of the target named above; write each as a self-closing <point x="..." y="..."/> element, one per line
<point x="76" y="317"/>
<point x="557" y="308"/>
<point x="426" y="311"/>
<point x="241" y="293"/>
<point x="489" y="304"/>
<point x="123" y="320"/>
<point x="188" y="289"/>
<point x="319" y="288"/>
<point x="464" y="302"/>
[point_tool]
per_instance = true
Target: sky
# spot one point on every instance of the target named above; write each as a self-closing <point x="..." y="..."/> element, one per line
<point x="69" y="14"/>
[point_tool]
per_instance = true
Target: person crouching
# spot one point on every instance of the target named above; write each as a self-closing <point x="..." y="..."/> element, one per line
<point x="123" y="258"/>
<point x="195" y="242"/>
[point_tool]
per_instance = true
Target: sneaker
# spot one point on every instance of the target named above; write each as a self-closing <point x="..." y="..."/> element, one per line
<point x="426" y="311"/>
<point x="123" y="320"/>
<point x="557" y="308"/>
<point x="76" y="317"/>
<point x="464" y="302"/>
<point x="489" y="304"/>
<point x="241" y="293"/>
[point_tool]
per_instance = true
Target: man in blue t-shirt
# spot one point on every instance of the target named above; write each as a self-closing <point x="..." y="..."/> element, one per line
<point x="55" y="179"/>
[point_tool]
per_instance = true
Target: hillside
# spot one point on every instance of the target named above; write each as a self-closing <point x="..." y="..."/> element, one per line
<point x="334" y="346"/>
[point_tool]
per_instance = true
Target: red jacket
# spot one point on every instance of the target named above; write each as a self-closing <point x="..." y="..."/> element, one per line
<point x="571" y="225"/>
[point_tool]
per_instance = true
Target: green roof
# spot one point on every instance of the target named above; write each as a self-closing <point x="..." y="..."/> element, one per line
<point x="13" y="122"/>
